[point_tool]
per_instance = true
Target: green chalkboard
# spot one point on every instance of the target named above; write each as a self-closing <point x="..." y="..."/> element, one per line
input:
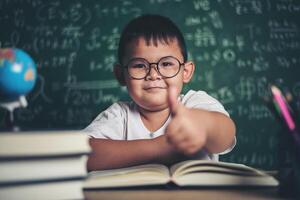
<point x="238" y="47"/>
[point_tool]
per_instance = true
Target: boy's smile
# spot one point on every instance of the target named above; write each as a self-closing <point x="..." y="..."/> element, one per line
<point x="152" y="85"/>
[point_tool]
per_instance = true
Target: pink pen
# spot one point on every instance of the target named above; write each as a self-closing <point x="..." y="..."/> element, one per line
<point x="283" y="107"/>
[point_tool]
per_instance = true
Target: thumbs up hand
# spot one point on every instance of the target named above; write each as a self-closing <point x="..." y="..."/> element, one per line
<point x="185" y="132"/>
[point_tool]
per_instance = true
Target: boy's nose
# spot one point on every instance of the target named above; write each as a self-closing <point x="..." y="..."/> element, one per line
<point x="153" y="73"/>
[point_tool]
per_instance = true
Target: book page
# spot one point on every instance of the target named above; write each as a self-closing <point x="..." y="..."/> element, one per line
<point x="152" y="174"/>
<point x="209" y="179"/>
<point x="212" y="173"/>
<point x="206" y="165"/>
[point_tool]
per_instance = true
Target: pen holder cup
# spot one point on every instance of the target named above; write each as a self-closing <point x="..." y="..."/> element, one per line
<point x="289" y="164"/>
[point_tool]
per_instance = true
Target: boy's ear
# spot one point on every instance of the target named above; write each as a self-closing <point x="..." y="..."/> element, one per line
<point x="188" y="71"/>
<point x="118" y="72"/>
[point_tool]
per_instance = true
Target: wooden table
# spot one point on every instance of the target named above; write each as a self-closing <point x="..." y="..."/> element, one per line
<point x="184" y="194"/>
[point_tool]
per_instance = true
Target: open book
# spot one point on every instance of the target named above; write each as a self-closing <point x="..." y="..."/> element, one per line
<point x="187" y="173"/>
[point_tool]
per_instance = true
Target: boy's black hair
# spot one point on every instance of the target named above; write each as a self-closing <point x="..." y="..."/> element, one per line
<point x="153" y="28"/>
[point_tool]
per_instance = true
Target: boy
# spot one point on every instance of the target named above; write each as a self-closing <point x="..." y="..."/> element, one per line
<point x="160" y="125"/>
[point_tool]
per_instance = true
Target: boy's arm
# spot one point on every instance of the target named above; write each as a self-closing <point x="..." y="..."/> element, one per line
<point x="220" y="131"/>
<point x="215" y="130"/>
<point x="109" y="154"/>
<point x="193" y="129"/>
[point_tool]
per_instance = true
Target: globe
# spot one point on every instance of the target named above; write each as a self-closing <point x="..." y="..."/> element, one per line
<point x="17" y="74"/>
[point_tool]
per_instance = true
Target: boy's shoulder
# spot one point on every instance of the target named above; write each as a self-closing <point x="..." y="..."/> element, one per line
<point x="200" y="99"/>
<point x="199" y="96"/>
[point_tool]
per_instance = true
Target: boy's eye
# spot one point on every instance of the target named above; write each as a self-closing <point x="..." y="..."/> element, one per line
<point x="138" y="65"/>
<point x="166" y="64"/>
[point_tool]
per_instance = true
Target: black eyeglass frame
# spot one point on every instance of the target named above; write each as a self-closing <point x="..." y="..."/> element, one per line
<point x="156" y="68"/>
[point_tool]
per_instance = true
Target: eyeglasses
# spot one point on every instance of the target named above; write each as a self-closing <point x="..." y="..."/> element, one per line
<point x="167" y="67"/>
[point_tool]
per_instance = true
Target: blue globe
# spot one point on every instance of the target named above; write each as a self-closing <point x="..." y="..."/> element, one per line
<point x="17" y="74"/>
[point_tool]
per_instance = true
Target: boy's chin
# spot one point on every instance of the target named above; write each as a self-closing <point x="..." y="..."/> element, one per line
<point x="154" y="107"/>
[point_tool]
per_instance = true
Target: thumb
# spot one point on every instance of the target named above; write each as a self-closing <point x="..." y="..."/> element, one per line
<point x="172" y="100"/>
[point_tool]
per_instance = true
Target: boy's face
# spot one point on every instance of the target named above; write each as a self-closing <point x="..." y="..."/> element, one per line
<point x="151" y="92"/>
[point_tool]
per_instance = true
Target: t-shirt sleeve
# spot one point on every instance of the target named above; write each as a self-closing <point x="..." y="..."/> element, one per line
<point x="201" y="100"/>
<point x="109" y="124"/>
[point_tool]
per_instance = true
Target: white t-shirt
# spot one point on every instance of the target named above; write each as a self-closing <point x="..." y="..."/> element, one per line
<point x="122" y="121"/>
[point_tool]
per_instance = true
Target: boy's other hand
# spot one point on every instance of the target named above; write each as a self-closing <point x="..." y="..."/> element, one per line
<point x="184" y="131"/>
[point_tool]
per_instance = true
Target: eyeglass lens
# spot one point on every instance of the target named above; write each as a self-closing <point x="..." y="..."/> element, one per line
<point x="166" y="67"/>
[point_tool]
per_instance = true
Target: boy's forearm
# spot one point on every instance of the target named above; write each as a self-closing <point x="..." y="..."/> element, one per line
<point x="109" y="154"/>
<point x="220" y="130"/>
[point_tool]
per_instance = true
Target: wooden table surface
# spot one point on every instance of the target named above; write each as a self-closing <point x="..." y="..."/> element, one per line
<point x="185" y="194"/>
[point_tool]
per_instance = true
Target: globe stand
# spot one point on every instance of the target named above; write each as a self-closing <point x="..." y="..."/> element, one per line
<point x="11" y="106"/>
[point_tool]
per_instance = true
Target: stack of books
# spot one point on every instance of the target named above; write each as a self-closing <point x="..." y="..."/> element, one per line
<point x="43" y="164"/>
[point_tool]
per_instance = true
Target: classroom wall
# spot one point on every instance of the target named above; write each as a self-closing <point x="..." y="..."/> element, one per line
<point x="239" y="47"/>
